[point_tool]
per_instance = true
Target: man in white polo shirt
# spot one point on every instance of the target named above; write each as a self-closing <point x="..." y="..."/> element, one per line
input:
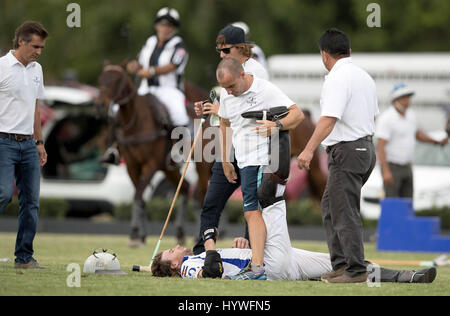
<point x="349" y="106"/>
<point x="22" y="149"/>
<point x="230" y="43"/>
<point x="397" y="133"/>
<point x="244" y="93"/>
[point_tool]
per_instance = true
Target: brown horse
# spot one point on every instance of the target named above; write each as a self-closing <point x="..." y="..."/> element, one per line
<point x="143" y="141"/>
<point x="299" y="138"/>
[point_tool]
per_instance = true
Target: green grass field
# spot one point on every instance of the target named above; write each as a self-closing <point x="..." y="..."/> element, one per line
<point x="56" y="252"/>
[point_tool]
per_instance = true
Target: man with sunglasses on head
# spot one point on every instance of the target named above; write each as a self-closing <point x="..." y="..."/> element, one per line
<point x="230" y="43"/>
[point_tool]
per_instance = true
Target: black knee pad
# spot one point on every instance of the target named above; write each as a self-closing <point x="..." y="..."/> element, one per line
<point x="276" y="173"/>
<point x="267" y="191"/>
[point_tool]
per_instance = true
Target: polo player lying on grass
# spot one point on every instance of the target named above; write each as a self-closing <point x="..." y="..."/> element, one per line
<point x="282" y="262"/>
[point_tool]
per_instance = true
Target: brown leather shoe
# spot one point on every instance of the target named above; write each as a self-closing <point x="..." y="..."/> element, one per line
<point x="33" y="264"/>
<point x="360" y="278"/>
<point x="333" y="274"/>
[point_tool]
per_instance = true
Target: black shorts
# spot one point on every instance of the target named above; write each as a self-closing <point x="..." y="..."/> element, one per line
<point x="250" y="180"/>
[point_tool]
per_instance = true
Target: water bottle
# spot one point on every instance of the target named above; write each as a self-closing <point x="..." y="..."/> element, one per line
<point x="214" y="120"/>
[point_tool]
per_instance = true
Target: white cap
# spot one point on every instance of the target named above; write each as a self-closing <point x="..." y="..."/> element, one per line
<point x="401" y="90"/>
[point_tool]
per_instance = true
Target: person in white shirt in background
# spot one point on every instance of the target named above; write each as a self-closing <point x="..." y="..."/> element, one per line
<point x="396" y="133"/>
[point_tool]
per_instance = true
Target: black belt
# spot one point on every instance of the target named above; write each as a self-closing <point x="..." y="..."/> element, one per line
<point x="16" y="137"/>
<point x="369" y="138"/>
<point x="408" y="165"/>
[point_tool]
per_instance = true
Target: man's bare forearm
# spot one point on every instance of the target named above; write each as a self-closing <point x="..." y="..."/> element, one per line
<point x="323" y="129"/>
<point x="293" y="119"/>
<point x="37" y="124"/>
<point x="381" y="153"/>
<point x="224" y="141"/>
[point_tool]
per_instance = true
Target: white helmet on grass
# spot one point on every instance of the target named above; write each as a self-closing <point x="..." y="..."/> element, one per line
<point x="102" y="263"/>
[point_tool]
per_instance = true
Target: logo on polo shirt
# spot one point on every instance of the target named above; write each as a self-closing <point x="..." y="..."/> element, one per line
<point x="36" y="80"/>
<point x="251" y="100"/>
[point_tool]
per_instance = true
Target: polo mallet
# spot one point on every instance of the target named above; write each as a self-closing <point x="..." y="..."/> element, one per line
<point x="199" y="132"/>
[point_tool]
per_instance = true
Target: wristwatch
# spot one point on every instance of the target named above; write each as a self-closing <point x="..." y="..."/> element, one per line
<point x="279" y="125"/>
<point x="39" y="142"/>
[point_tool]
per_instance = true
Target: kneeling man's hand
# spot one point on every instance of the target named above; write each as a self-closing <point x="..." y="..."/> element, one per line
<point x="213" y="267"/>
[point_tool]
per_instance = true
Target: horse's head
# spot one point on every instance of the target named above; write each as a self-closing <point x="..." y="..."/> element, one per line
<point x="115" y="87"/>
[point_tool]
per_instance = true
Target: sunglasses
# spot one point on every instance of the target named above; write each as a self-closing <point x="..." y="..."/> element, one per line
<point x="224" y="50"/>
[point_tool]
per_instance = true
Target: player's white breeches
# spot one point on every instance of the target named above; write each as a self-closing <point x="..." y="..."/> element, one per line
<point x="282" y="262"/>
<point x="278" y="250"/>
<point x="174" y="100"/>
<point x="312" y="265"/>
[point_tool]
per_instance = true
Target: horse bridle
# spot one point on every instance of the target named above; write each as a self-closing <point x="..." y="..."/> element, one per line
<point x="124" y="101"/>
<point x="122" y="86"/>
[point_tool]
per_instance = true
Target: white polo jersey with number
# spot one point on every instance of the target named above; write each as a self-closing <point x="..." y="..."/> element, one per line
<point x="233" y="260"/>
<point x="251" y="149"/>
<point x="20" y="87"/>
<point x="349" y="94"/>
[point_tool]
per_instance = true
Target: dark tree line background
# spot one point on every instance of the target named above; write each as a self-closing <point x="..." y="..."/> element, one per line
<point x="117" y="29"/>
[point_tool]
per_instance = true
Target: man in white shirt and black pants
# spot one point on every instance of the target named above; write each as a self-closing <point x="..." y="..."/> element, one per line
<point x="349" y="106"/>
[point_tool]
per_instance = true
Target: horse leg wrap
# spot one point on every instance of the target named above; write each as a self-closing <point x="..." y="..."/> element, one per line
<point x="138" y="218"/>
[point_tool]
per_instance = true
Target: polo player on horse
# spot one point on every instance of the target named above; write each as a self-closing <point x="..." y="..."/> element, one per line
<point x="160" y="66"/>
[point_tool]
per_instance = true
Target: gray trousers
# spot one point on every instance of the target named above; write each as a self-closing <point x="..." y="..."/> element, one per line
<point x="403" y="181"/>
<point x="380" y="274"/>
<point x="349" y="166"/>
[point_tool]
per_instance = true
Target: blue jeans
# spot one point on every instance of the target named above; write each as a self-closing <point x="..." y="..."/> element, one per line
<point x="20" y="161"/>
